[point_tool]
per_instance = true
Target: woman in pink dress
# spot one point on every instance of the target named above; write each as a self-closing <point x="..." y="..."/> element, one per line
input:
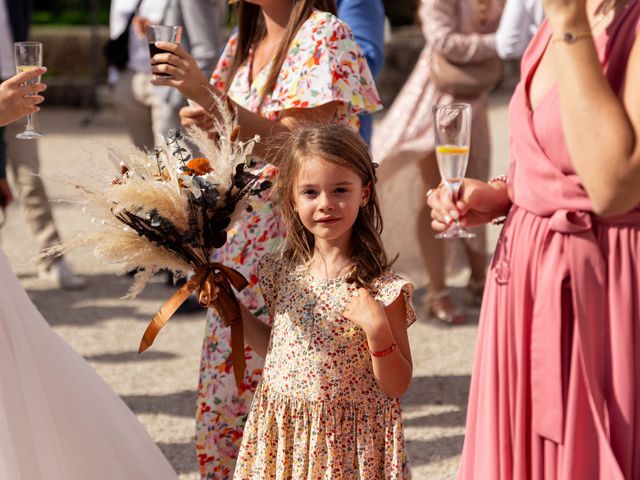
<point x="462" y="31"/>
<point x="553" y="391"/>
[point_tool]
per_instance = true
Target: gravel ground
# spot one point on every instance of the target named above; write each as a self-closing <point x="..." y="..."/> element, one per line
<point x="160" y="386"/>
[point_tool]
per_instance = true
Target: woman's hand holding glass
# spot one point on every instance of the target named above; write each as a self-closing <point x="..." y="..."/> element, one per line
<point x="183" y="74"/>
<point x="18" y="97"/>
<point x="478" y="203"/>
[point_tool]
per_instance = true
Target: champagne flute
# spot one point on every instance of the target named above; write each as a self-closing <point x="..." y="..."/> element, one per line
<point x="28" y="55"/>
<point x="452" y="129"/>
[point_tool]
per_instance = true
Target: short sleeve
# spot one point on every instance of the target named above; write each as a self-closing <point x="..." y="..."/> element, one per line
<point x="324" y="64"/>
<point x="390" y="287"/>
<point x="269" y="269"/>
<point x="220" y="73"/>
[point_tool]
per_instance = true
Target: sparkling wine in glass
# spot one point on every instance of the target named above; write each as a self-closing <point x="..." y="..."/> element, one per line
<point x="28" y="55"/>
<point x="452" y="128"/>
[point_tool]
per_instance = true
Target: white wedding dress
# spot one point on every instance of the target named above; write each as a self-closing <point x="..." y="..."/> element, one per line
<point x="58" y="419"/>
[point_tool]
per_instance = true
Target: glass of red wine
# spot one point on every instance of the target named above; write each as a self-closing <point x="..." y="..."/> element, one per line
<point x="162" y="33"/>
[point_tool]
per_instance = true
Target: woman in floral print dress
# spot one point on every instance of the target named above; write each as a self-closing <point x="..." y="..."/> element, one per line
<point x="284" y="74"/>
<point x="337" y="356"/>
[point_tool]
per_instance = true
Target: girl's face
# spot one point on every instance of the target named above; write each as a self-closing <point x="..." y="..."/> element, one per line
<point x="327" y="198"/>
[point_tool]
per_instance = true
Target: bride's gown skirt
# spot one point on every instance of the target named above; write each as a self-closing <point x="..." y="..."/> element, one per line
<point x="58" y="419"/>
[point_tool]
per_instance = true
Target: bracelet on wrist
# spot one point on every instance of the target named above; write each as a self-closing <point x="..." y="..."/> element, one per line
<point x="502" y="218"/>
<point x="382" y="353"/>
<point x="571" y="37"/>
<point x="499" y="178"/>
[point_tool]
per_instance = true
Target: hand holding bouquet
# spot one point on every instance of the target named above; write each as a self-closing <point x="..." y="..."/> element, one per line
<point x="167" y="210"/>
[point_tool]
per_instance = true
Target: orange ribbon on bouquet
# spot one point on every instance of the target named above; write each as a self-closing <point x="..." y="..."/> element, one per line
<point x="205" y="279"/>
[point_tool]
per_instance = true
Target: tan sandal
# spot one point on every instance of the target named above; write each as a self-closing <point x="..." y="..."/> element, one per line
<point x="439" y="305"/>
<point x="474" y="292"/>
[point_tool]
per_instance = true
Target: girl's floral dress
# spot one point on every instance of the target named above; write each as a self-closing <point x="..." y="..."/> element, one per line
<point x="318" y="412"/>
<point x="324" y="64"/>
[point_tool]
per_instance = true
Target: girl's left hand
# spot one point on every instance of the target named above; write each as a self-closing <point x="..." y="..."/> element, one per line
<point x="185" y="75"/>
<point x="366" y="312"/>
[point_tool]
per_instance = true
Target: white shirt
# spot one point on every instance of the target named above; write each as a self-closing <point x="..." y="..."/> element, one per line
<point x="519" y="23"/>
<point x="7" y="62"/>
<point x="138" y="47"/>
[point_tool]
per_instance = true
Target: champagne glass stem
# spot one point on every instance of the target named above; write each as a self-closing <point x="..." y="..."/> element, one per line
<point x="29" y="123"/>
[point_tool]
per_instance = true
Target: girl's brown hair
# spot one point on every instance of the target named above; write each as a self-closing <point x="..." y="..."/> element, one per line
<point x="342" y="146"/>
<point x="251" y="29"/>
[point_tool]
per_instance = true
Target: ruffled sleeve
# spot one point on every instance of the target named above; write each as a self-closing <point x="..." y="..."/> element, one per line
<point x="220" y="73"/>
<point x="391" y="285"/>
<point x="269" y="274"/>
<point x="324" y="64"/>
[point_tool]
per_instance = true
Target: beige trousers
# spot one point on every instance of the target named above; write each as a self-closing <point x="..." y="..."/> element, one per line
<point x="143" y="113"/>
<point x="23" y="162"/>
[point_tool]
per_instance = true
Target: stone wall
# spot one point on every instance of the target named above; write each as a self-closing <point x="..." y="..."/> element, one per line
<point x="73" y="56"/>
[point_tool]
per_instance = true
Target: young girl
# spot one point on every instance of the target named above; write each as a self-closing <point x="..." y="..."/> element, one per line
<point x="337" y="356"/>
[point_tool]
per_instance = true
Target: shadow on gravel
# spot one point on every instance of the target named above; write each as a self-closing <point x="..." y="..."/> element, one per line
<point x="423" y="452"/>
<point x="447" y="419"/>
<point x="438" y="390"/>
<point x="181" y="456"/>
<point x="179" y="404"/>
<point x="130" y="357"/>
<point x="101" y="301"/>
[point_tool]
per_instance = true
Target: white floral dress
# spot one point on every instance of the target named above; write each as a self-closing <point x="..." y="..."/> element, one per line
<point x="318" y="411"/>
<point x="324" y="64"/>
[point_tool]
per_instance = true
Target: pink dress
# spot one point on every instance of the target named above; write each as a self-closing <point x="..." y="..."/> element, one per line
<point x="553" y="390"/>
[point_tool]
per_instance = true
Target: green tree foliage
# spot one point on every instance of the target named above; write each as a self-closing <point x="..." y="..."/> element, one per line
<point x="69" y="12"/>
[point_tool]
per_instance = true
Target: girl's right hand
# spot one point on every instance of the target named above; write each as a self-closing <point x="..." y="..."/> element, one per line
<point x="479" y="203"/>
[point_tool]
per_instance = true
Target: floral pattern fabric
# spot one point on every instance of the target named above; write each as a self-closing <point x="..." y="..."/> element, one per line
<point x="324" y="64"/>
<point x="318" y="412"/>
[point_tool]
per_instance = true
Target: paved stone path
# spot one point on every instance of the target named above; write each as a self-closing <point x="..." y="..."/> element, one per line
<point x="160" y="385"/>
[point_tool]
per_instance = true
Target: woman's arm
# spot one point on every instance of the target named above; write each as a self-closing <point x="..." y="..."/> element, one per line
<point x="440" y="20"/>
<point x="385" y="327"/>
<point x="252" y="124"/>
<point x="605" y="150"/>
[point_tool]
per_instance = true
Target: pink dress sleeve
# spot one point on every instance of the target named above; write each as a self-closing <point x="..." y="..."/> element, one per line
<point x="441" y="21"/>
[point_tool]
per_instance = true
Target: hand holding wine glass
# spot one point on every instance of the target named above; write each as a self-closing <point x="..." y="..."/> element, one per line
<point x="18" y="97"/>
<point x="478" y="203"/>
<point x="452" y="130"/>
<point x="28" y="57"/>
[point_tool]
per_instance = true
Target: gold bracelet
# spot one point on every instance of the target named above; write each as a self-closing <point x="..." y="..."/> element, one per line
<point x="570" y="37"/>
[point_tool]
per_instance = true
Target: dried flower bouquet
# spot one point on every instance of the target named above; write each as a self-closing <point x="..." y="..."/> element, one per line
<point x="167" y="210"/>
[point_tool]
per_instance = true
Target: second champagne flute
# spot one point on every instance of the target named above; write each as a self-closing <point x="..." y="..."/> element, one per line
<point x="452" y="130"/>
<point x="162" y="33"/>
<point x="28" y="55"/>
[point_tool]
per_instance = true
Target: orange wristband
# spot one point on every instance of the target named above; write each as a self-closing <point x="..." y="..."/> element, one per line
<point x="382" y="353"/>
